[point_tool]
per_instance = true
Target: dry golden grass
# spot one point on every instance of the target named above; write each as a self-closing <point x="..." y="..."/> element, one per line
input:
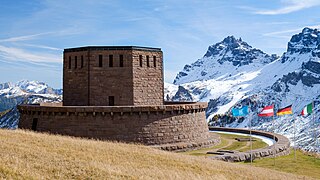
<point x="29" y="155"/>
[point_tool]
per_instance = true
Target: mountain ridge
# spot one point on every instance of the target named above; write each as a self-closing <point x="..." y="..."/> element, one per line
<point x="23" y="92"/>
<point x="231" y="52"/>
<point x="293" y="78"/>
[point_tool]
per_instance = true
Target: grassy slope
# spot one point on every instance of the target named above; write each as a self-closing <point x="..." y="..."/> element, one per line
<point x="242" y="146"/>
<point x="304" y="164"/>
<point x="34" y="155"/>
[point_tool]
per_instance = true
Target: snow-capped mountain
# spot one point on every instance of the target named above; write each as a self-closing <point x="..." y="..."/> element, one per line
<point x="27" y="92"/>
<point x="224" y="59"/>
<point x="232" y="73"/>
<point x="27" y="87"/>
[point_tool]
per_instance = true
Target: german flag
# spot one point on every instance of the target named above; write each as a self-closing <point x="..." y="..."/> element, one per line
<point x="284" y="111"/>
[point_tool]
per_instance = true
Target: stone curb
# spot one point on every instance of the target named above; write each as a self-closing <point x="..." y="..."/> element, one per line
<point x="280" y="148"/>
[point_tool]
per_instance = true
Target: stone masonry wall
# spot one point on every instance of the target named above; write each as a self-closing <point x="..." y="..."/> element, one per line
<point x="108" y="81"/>
<point x="136" y="83"/>
<point x="148" y="81"/>
<point x="153" y="125"/>
<point x="75" y="79"/>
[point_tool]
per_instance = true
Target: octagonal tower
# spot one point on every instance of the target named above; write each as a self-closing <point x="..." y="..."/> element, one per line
<point x="112" y="76"/>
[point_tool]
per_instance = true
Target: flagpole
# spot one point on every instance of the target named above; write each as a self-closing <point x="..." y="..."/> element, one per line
<point x="274" y="141"/>
<point x="314" y="126"/>
<point x="317" y="145"/>
<point x="294" y="138"/>
<point x="250" y="134"/>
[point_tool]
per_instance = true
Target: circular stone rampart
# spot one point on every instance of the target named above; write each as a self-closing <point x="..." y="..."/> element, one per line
<point x="279" y="148"/>
<point x="176" y="126"/>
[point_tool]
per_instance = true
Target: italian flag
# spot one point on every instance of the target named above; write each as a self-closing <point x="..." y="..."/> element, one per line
<point x="307" y="110"/>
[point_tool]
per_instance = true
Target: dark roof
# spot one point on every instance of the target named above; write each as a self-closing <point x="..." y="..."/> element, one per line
<point x="95" y="48"/>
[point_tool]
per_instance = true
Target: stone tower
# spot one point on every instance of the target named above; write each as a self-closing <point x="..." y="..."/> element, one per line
<point x="112" y="76"/>
<point x="116" y="93"/>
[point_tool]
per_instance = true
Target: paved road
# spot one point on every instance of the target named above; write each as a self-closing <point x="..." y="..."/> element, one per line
<point x="269" y="141"/>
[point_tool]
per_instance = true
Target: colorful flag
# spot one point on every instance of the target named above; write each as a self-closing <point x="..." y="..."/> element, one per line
<point x="307" y="110"/>
<point x="267" y="111"/>
<point x="284" y="111"/>
<point x="242" y="111"/>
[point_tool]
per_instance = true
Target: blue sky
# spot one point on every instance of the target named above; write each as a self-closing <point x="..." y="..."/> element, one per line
<point x="34" y="33"/>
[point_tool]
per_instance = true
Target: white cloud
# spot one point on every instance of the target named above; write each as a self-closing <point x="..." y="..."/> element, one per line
<point x="70" y="31"/>
<point x="41" y="46"/>
<point x="283" y="34"/>
<point x="24" y="38"/>
<point x="289" y="32"/>
<point x="290" y="6"/>
<point x="16" y="54"/>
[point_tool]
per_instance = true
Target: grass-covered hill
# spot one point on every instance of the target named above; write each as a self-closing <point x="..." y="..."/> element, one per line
<point x="29" y="155"/>
<point x="306" y="164"/>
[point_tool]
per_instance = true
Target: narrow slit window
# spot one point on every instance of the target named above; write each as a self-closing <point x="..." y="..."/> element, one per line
<point x="81" y="62"/>
<point x="111" y="100"/>
<point x="154" y="61"/>
<point x="148" y="62"/>
<point x="75" y="62"/>
<point x="100" y="60"/>
<point x="140" y="60"/>
<point x="69" y="62"/>
<point x="34" y="124"/>
<point x="121" y="60"/>
<point x="110" y="60"/>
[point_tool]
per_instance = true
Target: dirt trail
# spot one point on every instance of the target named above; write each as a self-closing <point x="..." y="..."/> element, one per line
<point x="229" y="142"/>
<point x="243" y="147"/>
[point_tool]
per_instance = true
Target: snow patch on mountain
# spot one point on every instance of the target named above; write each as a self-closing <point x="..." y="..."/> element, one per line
<point x="23" y="92"/>
<point x="25" y="87"/>
<point x="232" y="72"/>
<point x="224" y="59"/>
<point x="169" y="91"/>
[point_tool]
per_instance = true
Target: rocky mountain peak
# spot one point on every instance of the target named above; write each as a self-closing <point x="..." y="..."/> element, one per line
<point x="238" y="52"/>
<point x="229" y="40"/>
<point x="223" y="59"/>
<point x="32" y="86"/>
<point x="27" y="87"/>
<point x="304" y="42"/>
<point x="228" y="44"/>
